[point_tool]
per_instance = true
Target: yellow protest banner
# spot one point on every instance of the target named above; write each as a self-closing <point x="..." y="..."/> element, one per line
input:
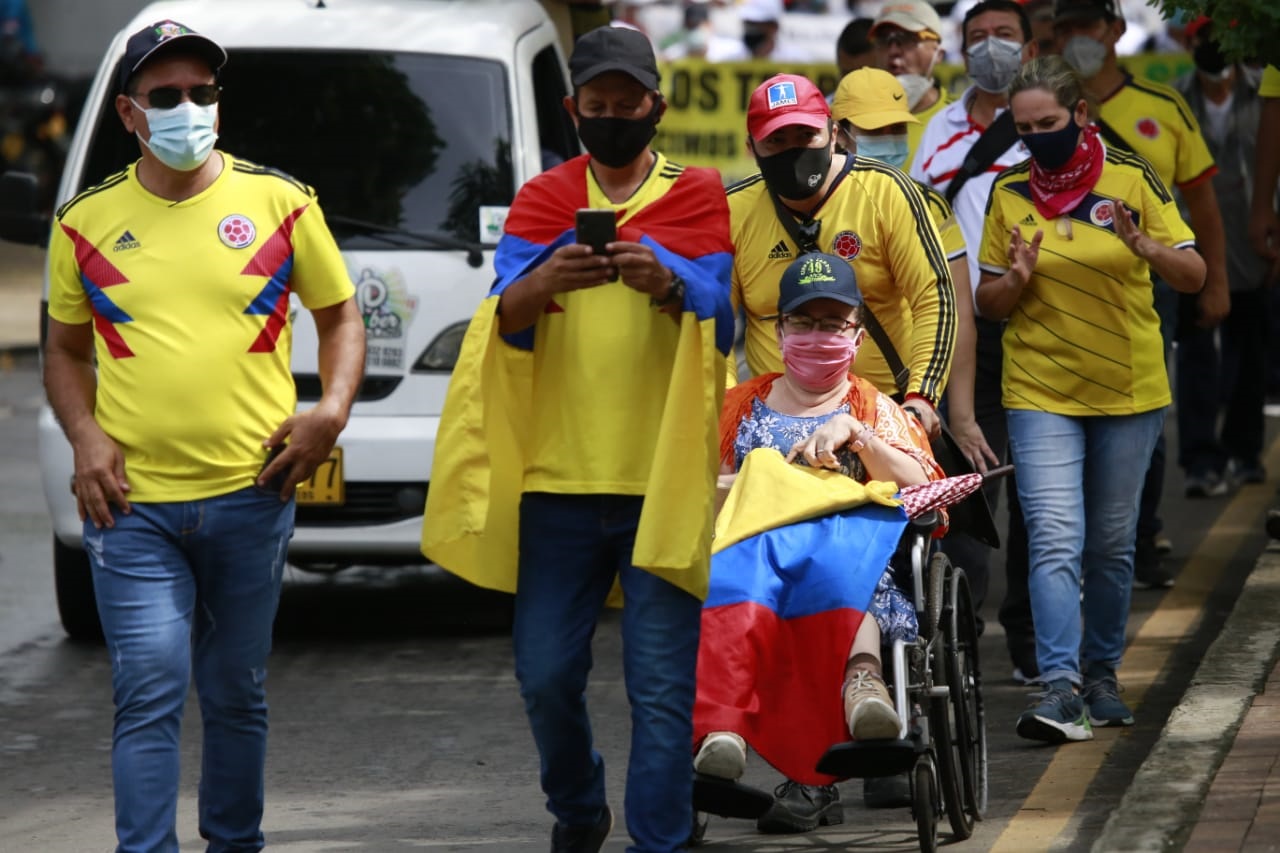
<point x="706" y="119"/>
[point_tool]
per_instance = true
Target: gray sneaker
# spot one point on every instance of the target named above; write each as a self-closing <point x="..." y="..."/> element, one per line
<point x="1101" y="694"/>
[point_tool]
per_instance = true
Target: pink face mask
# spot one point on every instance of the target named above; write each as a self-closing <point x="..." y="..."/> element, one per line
<point x="818" y="360"/>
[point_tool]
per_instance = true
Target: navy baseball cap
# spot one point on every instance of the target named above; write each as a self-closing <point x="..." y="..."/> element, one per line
<point x="610" y="48"/>
<point x="817" y="276"/>
<point x="166" y="37"/>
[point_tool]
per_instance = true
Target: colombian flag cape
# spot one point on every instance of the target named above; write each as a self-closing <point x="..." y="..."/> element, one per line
<point x="470" y="525"/>
<point x="798" y="553"/>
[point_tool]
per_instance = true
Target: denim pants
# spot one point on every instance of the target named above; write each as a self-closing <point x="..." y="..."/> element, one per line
<point x="183" y="588"/>
<point x="571" y="549"/>
<point x="1079" y="480"/>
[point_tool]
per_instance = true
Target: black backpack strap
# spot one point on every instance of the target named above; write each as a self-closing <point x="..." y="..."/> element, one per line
<point x="805" y="236"/>
<point x="999" y="136"/>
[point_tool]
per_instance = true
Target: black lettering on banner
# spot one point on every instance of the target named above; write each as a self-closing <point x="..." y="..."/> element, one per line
<point x="679" y="144"/>
<point x="747" y="83"/>
<point x="680" y="89"/>
<point x="709" y="86"/>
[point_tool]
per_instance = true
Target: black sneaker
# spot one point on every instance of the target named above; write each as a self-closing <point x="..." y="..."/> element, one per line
<point x="1101" y="695"/>
<point x="886" y="792"/>
<point x="1026" y="669"/>
<point x="1148" y="569"/>
<point x="801" y="808"/>
<point x="582" y="839"/>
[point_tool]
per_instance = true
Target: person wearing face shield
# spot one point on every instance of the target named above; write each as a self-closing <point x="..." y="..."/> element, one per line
<point x="1154" y="122"/>
<point x="908" y="44"/>
<point x="808" y="198"/>
<point x="1070" y="241"/>
<point x="167" y="364"/>
<point x="1227" y="106"/>
<point x="961" y="153"/>
<point x="580" y="429"/>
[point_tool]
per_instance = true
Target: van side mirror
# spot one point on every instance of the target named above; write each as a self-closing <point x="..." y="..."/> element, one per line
<point x="20" y="219"/>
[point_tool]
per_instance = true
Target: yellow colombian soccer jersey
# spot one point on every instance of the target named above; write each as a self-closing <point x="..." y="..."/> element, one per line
<point x="876" y="218"/>
<point x="1084" y="338"/>
<point x="190" y="306"/>
<point x="1155" y="122"/>
<point x="915" y="132"/>
<point x="1270" y="86"/>
<point x="948" y="228"/>
<point x="601" y="375"/>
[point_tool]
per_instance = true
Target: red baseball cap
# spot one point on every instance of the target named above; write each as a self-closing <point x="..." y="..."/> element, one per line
<point x="786" y="99"/>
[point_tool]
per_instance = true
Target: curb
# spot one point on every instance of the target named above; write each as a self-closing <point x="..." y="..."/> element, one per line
<point x="1163" y="803"/>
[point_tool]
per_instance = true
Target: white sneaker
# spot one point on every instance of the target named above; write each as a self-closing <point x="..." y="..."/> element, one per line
<point x="868" y="708"/>
<point x="723" y="755"/>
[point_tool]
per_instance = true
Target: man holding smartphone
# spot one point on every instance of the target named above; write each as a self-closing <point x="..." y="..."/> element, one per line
<point x="173" y="278"/>
<point x="578" y="447"/>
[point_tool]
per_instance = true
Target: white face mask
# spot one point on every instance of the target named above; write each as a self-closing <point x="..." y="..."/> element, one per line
<point x="915" y="85"/>
<point x="1085" y="54"/>
<point x="1252" y="76"/>
<point x="182" y="138"/>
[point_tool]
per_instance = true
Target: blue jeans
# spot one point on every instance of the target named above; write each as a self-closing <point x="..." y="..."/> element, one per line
<point x="571" y="549"/>
<point x="1079" y="480"/>
<point x="185" y="587"/>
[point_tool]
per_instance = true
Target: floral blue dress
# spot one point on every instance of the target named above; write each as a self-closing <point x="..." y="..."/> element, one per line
<point x="763" y="427"/>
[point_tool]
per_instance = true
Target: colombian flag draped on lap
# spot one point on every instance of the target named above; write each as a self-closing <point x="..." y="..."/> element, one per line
<point x="797" y="555"/>
<point x="471" y="519"/>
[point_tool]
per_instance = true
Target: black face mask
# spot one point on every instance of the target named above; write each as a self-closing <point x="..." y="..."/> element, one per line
<point x="1208" y="57"/>
<point x="796" y="173"/>
<point x="615" y="142"/>
<point x="754" y="38"/>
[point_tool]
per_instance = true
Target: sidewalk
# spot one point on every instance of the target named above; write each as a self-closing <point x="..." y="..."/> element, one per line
<point x="1212" y="781"/>
<point x="21" y="283"/>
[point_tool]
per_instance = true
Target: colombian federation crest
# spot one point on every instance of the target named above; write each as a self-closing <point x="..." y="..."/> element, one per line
<point x="847" y="245"/>
<point x="237" y="231"/>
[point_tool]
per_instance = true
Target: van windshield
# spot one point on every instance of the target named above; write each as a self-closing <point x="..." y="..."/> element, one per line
<point x="406" y="141"/>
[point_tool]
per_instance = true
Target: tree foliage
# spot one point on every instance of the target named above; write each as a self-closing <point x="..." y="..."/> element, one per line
<point x="1244" y="29"/>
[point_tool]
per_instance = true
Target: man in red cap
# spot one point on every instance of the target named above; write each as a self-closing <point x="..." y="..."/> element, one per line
<point x="806" y="199"/>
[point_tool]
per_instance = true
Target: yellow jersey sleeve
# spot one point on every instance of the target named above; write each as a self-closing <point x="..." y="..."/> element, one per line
<point x="67" y="300"/>
<point x="1194" y="162"/>
<point x="319" y="274"/>
<point x="948" y="228"/>
<point x="993" y="256"/>
<point x="1270" y="87"/>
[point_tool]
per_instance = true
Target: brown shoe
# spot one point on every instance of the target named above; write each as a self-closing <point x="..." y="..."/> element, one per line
<point x="868" y="708"/>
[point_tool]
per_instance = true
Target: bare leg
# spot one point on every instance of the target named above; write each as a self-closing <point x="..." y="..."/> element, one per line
<point x="868" y="708"/>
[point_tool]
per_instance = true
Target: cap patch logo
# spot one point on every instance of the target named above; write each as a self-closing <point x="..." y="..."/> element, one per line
<point x="236" y="231"/>
<point x="815" y="271"/>
<point x="1102" y="214"/>
<point x="847" y="245"/>
<point x="1148" y="128"/>
<point x="169" y="29"/>
<point x="782" y="95"/>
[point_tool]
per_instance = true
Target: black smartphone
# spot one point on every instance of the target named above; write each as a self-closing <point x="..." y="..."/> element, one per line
<point x="596" y="228"/>
<point x="276" y="483"/>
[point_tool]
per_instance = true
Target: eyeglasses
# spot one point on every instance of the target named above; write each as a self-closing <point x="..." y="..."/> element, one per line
<point x="901" y="39"/>
<point x="168" y="97"/>
<point x="799" y="324"/>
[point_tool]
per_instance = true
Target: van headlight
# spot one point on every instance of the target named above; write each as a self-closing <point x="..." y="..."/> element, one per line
<point x="441" y="354"/>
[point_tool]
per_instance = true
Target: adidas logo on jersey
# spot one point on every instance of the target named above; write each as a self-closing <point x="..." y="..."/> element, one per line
<point x="1028" y="220"/>
<point x="780" y="251"/>
<point x="126" y="241"/>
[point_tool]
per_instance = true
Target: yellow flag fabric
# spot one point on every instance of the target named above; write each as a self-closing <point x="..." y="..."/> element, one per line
<point x="471" y="522"/>
<point x="768" y="492"/>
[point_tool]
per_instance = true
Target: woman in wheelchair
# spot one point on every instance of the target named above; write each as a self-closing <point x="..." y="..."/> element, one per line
<point x="817" y="413"/>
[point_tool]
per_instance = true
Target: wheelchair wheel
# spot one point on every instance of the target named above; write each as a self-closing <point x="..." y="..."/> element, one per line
<point x="934" y="594"/>
<point x="924" y="802"/>
<point x="945" y="733"/>
<point x="965" y="678"/>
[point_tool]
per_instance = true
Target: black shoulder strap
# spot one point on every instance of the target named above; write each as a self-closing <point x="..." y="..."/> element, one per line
<point x="1113" y="139"/>
<point x="805" y="236"/>
<point x="993" y="142"/>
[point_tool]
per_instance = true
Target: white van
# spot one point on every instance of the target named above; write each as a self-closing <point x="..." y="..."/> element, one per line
<point x="415" y="120"/>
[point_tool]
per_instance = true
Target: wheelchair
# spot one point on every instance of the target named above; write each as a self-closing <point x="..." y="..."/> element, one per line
<point x="936" y="683"/>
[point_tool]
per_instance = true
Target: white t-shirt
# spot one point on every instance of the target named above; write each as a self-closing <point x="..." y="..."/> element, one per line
<point x="1216" y="118"/>
<point x="945" y="143"/>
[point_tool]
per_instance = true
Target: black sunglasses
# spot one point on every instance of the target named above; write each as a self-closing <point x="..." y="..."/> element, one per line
<point x="168" y="97"/>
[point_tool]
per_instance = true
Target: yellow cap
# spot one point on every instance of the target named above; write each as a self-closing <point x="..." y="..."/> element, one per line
<point x="871" y="99"/>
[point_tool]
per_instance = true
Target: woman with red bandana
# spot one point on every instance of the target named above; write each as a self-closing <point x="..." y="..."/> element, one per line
<point x="817" y="413"/>
<point x="1084" y="383"/>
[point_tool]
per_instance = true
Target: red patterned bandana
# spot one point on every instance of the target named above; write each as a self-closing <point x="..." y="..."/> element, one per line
<point x="1058" y="191"/>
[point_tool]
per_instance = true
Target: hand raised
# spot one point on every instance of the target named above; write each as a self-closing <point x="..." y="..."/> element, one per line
<point x="1127" y="230"/>
<point x="1023" y="255"/>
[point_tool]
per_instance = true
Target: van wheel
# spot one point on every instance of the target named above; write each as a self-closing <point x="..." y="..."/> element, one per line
<point x="73" y="582"/>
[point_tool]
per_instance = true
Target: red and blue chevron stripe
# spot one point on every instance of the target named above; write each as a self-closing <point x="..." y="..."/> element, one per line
<point x="275" y="261"/>
<point x="97" y="274"/>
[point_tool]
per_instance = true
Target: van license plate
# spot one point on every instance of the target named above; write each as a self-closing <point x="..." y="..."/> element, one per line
<point x="326" y="485"/>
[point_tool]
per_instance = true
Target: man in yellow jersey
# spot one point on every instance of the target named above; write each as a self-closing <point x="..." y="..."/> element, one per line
<point x="907" y="35"/>
<point x="1264" y="224"/>
<point x="1154" y="122"/>
<point x="174" y="276"/>
<point x="579" y="442"/>
<point x="807" y="198"/>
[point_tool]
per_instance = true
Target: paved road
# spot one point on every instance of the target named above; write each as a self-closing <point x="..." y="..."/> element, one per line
<point x="396" y="724"/>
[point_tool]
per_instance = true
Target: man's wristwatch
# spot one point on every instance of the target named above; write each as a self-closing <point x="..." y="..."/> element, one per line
<point x="675" y="294"/>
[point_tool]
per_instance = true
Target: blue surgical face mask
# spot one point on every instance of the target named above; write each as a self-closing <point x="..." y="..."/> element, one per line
<point x="890" y="148"/>
<point x="182" y="138"/>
